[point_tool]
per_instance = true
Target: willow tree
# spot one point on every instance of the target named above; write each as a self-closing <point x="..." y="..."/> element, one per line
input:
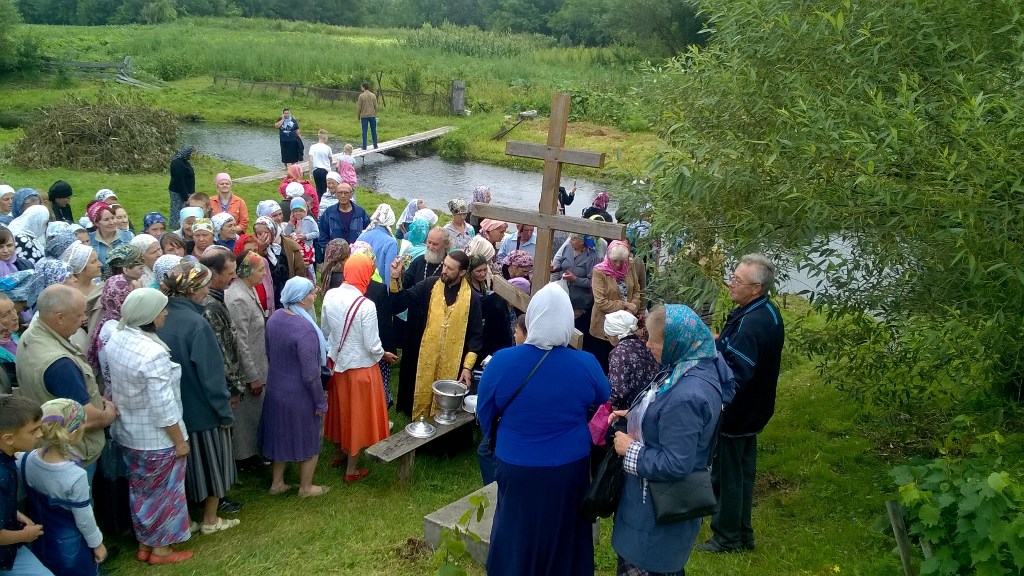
<point x="889" y="129"/>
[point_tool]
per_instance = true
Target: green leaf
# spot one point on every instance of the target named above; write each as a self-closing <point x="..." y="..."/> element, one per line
<point x="929" y="515"/>
<point x="450" y="570"/>
<point x="998" y="481"/>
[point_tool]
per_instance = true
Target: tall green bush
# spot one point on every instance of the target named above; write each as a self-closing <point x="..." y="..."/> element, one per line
<point x="876" y="144"/>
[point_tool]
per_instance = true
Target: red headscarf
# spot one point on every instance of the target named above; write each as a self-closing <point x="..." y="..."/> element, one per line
<point x="358" y="271"/>
<point x="240" y="243"/>
<point x="609" y="268"/>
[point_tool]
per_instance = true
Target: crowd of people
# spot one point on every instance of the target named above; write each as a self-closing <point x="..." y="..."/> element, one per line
<point x="150" y="366"/>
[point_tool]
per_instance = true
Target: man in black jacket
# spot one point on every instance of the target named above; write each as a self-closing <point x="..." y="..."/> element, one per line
<point x="751" y="343"/>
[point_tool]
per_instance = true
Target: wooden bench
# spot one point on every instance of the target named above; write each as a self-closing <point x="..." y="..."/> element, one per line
<point x="402" y="447"/>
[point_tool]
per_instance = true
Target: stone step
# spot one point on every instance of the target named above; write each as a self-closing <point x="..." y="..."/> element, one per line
<point x="449" y="516"/>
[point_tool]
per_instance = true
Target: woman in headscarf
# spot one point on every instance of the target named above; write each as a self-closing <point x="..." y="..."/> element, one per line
<point x="9" y="261"/>
<point x="283" y="255"/>
<point x="23" y="288"/>
<point x="671" y="433"/>
<point x="481" y="195"/>
<point x="631" y="366"/>
<point x="24" y="198"/>
<point x="227" y="201"/>
<point x="188" y="216"/>
<point x="10" y="323"/>
<point x="483" y="250"/>
<point x="183" y="181"/>
<point x="303" y="229"/>
<point x="6" y="198"/>
<point x="60" y="201"/>
<point x="357" y="414"/>
<point x="295" y="405"/>
<point x="377" y="292"/>
<point x="247" y="323"/>
<point x="115" y="290"/>
<point x="543" y="444"/>
<point x="202" y="237"/>
<point x="126" y="260"/>
<point x="268" y="209"/>
<point x="460" y="231"/>
<point x="146" y="386"/>
<point x="408" y="215"/>
<point x="121" y="218"/>
<point x="150" y="248"/>
<point x="617" y="283"/>
<point x="493" y="230"/>
<point x="154" y="224"/>
<point x="378" y="235"/>
<point x="427" y="214"/>
<point x="86" y="267"/>
<point x="224" y="230"/>
<point x="332" y="274"/>
<point x="106" y="236"/>
<point x="518" y="264"/>
<point x="264" y="289"/>
<point x="56" y="272"/>
<point x="599" y="207"/>
<point x="304" y="189"/>
<point x="210" y="471"/>
<point x="162" y="266"/>
<point x="29" y="231"/>
<point x="415" y="242"/>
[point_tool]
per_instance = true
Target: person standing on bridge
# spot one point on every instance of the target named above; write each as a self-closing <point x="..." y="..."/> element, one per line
<point x="367" y="107"/>
<point x="291" y="138"/>
<point x="321" y="161"/>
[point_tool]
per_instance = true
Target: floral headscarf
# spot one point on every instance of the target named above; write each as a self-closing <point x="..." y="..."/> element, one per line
<point x="115" y="290"/>
<point x="162" y="266"/>
<point x="23" y="286"/>
<point x="96" y="209"/>
<point x="383" y="216"/>
<point x="687" y="341"/>
<point x="274" y="249"/>
<point x="520" y="258"/>
<point x="185" y="279"/>
<point x="219" y="220"/>
<point x="32" y="223"/>
<point x="335" y="255"/>
<point x="54" y="271"/>
<point x="480" y="194"/>
<point x="601" y="200"/>
<point x="458" y="206"/>
<point x="153" y="218"/>
<point x="361" y="247"/>
<point x="203" y="224"/>
<point x="248" y="264"/>
<point x="104" y="194"/>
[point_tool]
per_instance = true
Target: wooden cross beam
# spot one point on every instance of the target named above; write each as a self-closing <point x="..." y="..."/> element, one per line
<point x="546" y="218"/>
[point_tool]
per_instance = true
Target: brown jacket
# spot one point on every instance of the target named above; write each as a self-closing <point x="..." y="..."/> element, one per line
<point x="607" y="298"/>
<point x="367" y="104"/>
<point x="293" y="253"/>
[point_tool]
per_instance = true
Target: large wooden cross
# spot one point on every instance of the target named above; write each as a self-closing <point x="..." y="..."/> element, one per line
<point x="546" y="219"/>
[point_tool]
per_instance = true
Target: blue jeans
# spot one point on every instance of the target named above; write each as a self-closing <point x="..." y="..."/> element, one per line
<point x="370" y="123"/>
<point x="26" y="564"/>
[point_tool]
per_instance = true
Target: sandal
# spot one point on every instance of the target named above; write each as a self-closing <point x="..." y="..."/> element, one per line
<point x="221" y="525"/>
<point x="143" y="555"/>
<point x="173" y="558"/>
<point x="359" y="475"/>
<point x="279" y="490"/>
<point x="315" y="491"/>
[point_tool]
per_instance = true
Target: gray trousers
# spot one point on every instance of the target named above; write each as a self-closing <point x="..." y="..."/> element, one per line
<point x="732" y="476"/>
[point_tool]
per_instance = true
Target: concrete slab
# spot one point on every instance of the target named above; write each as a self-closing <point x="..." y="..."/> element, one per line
<point x="448" y="516"/>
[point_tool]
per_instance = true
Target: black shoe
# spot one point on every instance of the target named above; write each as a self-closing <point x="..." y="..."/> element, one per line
<point x="229" y="507"/>
<point x="713" y="547"/>
<point x="374" y="146"/>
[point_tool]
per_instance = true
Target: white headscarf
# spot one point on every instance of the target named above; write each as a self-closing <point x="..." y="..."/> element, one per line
<point x="549" y="318"/>
<point x="32" y="223"/>
<point x="427" y="214"/>
<point x="409" y="214"/>
<point x="77" y="256"/>
<point x="144" y="241"/>
<point x="294" y="190"/>
<point x="383" y="216"/>
<point x="619" y="324"/>
<point x="267" y="208"/>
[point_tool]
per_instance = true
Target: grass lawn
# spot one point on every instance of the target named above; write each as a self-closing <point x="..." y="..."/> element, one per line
<point x="819" y="507"/>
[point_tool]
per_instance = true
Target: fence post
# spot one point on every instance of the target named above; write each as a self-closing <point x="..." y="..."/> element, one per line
<point x="458" y="98"/>
<point x="899" y="530"/>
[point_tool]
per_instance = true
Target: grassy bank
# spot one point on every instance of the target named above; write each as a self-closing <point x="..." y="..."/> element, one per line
<point x="818" y="510"/>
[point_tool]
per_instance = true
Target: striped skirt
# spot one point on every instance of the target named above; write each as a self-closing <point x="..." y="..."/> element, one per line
<point x="156" y="495"/>
<point x="211" y="464"/>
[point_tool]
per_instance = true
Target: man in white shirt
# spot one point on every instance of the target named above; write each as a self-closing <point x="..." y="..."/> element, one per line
<point x="525" y="239"/>
<point x="321" y="159"/>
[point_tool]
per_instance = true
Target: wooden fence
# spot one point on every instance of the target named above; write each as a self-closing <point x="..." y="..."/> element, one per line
<point x="436" y="103"/>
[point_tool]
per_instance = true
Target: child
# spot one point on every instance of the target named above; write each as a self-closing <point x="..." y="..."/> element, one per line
<point x="303" y="229"/>
<point x="19" y="430"/>
<point x="347" y="167"/>
<point x="520" y="329"/>
<point x="200" y="200"/>
<point x="59" y="494"/>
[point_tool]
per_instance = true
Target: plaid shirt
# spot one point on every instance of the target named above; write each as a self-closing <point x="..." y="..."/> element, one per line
<point x="632" y="455"/>
<point x="146" y="387"/>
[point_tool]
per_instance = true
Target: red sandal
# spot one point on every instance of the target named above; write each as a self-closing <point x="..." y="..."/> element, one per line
<point x="173" y="558"/>
<point x="359" y="475"/>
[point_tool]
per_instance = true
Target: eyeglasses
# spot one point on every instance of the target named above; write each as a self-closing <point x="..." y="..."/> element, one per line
<point x="736" y="281"/>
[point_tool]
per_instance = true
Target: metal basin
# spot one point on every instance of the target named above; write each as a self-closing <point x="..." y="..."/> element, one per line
<point x="448" y="395"/>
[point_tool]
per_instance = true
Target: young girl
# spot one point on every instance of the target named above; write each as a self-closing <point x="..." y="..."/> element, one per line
<point x="303" y="229"/>
<point x="347" y="167"/>
<point x="9" y="261"/>
<point x="59" y="495"/>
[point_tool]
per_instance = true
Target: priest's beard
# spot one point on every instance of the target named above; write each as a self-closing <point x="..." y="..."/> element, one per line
<point x="433" y="257"/>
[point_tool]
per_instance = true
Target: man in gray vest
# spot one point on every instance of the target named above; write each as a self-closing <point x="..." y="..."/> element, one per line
<point x="49" y="366"/>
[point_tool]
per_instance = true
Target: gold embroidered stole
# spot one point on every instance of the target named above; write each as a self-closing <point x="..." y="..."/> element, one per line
<point x="444" y="339"/>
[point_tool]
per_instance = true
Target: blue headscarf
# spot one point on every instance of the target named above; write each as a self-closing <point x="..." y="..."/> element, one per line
<point x="416" y="236"/>
<point x="56" y="246"/>
<point x="23" y="286"/>
<point x="19" y="198"/>
<point x="295" y="289"/>
<point x="687" y="341"/>
<point x="152" y="218"/>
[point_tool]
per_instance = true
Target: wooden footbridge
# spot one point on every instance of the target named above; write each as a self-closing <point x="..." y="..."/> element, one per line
<point x="381" y="147"/>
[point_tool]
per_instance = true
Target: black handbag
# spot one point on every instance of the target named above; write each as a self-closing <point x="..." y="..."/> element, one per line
<point x="496" y="419"/>
<point x="690" y="497"/>
<point x="602" y="498"/>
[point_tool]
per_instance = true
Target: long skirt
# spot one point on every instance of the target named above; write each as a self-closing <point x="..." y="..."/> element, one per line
<point x="211" y="464"/>
<point x="357" y="413"/>
<point x="156" y="494"/>
<point x="291" y="152"/>
<point x="245" y="430"/>
<point x="538" y="528"/>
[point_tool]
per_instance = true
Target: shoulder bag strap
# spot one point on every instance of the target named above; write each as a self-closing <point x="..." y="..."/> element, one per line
<point x="523" y="385"/>
<point x="350" y="319"/>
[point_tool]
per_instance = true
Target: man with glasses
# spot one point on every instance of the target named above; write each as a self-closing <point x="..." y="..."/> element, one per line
<point x="751" y="343"/>
<point x="345" y="220"/>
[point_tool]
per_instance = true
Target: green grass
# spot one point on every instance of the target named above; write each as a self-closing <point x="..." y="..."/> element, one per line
<point x="819" y="507"/>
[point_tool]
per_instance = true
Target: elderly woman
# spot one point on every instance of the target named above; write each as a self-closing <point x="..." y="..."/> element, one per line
<point x="9" y="325"/>
<point x="225" y="231"/>
<point x="29" y="231"/>
<point x="264" y="288"/>
<point x="543" y="444"/>
<point x="205" y="400"/>
<point x="631" y="366"/>
<point x="183" y="182"/>
<point x="106" y="236"/>
<point x="282" y="253"/>
<point x="460" y="231"/>
<point x="333" y="271"/>
<point x="518" y="264"/>
<point x="86" y="267"/>
<point x="150" y="248"/>
<point x="671" y="433"/>
<point x="188" y="217"/>
<point x="202" y="237"/>
<point x="247" y="323"/>
<point x="146" y="386"/>
<point x="295" y="405"/>
<point x="154" y="224"/>
<point x="617" y="284"/>
<point x="126" y="260"/>
<point x="357" y="413"/>
<point x="378" y="235"/>
<point x="6" y="197"/>
<point x="575" y="263"/>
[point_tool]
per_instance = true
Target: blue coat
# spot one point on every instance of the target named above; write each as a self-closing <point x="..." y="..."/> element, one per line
<point x="678" y="429"/>
<point x="385" y="248"/>
<point x="331" y="227"/>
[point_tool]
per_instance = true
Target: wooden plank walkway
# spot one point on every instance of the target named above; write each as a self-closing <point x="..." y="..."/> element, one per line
<point x="381" y="147"/>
